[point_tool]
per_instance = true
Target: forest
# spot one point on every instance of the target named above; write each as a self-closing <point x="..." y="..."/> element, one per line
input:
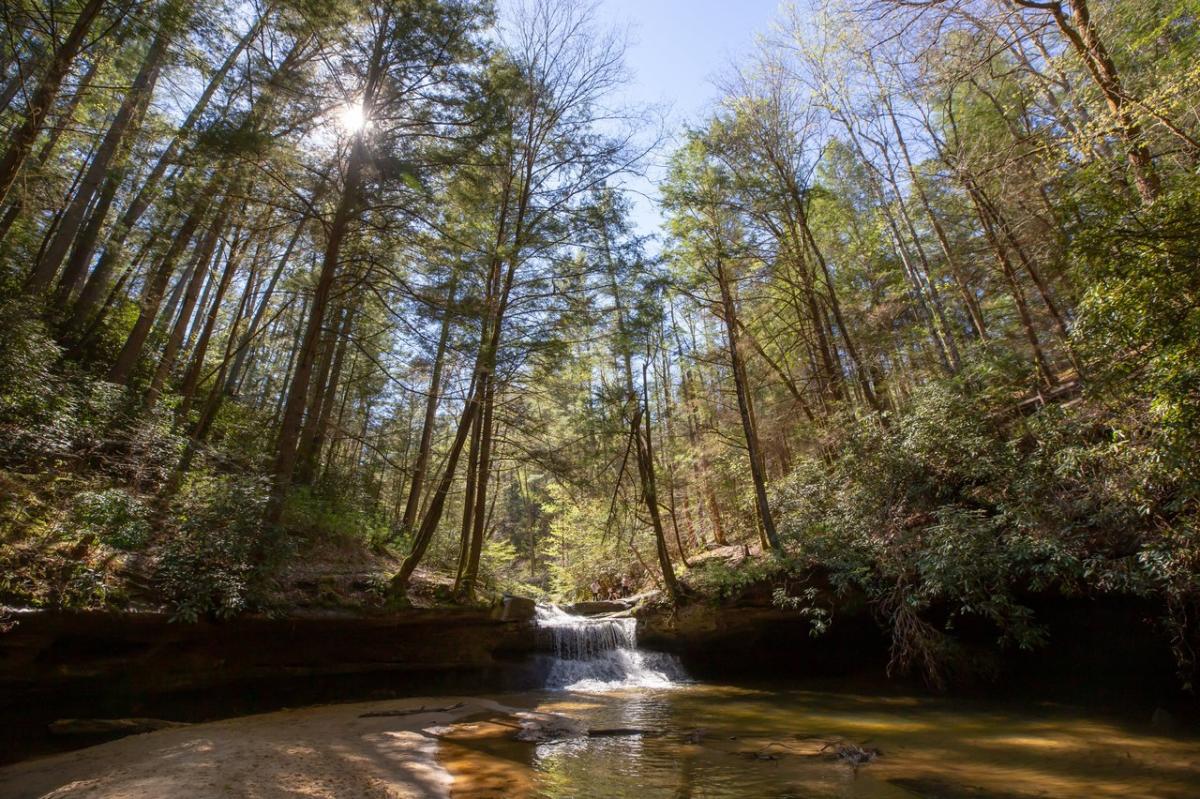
<point x="292" y="290"/>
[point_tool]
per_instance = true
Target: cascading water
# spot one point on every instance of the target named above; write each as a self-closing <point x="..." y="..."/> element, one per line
<point x="601" y="654"/>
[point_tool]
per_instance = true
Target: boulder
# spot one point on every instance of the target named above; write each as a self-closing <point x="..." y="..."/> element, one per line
<point x="598" y="607"/>
<point x="514" y="608"/>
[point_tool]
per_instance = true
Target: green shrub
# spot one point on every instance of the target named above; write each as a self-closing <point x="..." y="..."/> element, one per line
<point x="717" y="578"/>
<point x="962" y="507"/>
<point x="222" y="556"/>
<point x="114" y="516"/>
<point x="320" y="514"/>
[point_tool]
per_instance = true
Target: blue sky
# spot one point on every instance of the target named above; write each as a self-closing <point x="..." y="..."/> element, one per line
<point x="676" y="49"/>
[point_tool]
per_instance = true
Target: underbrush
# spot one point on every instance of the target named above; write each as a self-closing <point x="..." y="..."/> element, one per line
<point x="333" y="513"/>
<point x="962" y="507"/>
<point x="93" y="515"/>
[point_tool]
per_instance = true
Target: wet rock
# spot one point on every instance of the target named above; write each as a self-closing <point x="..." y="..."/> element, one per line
<point x="514" y="608"/>
<point x="542" y="727"/>
<point x="853" y="754"/>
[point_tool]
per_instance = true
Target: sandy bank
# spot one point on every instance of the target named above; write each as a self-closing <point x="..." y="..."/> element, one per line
<point x="331" y="751"/>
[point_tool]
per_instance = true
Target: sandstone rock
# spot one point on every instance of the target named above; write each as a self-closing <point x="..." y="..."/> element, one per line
<point x="514" y="608"/>
<point x="541" y="727"/>
<point x="598" y="607"/>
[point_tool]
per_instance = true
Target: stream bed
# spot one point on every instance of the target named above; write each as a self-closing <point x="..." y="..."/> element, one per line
<point x="614" y="721"/>
<point x="725" y="741"/>
<point x="663" y="735"/>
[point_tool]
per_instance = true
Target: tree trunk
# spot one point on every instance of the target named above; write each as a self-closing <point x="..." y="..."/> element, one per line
<point x="191" y="378"/>
<point x="421" y="465"/>
<point x="468" y="514"/>
<point x="199" y="271"/>
<point x="21" y="140"/>
<point x="152" y="293"/>
<point x="146" y="193"/>
<point x="970" y="302"/>
<point x="645" y="458"/>
<point x="106" y="167"/>
<point x="62" y="123"/>
<point x="1081" y="32"/>
<point x="1039" y="356"/>
<point x="297" y="395"/>
<point x="311" y="442"/>
<point x="744" y="409"/>
<point x="864" y="380"/>
<point x="471" y="576"/>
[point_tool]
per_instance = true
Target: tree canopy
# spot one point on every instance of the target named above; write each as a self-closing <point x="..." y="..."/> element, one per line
<point x="291" y="281"/>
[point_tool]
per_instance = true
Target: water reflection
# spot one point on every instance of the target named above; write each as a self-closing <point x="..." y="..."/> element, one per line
<point x="720" y="743"/>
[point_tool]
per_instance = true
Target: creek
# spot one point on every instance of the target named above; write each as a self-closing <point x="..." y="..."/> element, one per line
<point x="640" y="727"/>
<point x="779" y="740"/>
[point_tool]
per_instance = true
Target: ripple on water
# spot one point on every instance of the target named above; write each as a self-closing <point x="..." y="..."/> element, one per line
<point x="721" y="742"/>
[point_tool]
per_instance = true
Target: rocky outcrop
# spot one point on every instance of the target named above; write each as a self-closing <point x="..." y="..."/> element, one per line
<point x="110" y="665"/>
<point x="1101" y="650"/>
<point x="599" y="607"/>
<point x="750" y="637"/>
<point x="514" y="608"/>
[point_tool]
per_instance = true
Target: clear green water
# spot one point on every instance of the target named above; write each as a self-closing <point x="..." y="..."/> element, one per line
<point x="766" y="742"/>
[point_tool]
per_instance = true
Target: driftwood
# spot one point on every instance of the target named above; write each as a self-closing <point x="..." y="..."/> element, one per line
<point x="409" y="711"/>
<point x="110" y="726"/>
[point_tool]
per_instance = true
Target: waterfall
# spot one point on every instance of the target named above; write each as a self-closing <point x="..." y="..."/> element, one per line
<point x="600" y="654"/>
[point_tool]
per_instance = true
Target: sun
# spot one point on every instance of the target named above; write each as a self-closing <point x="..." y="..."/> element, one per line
<point x="351" y="117"/>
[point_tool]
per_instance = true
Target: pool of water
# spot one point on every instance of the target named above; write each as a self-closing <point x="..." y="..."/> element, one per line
<point x="723" y="741"/>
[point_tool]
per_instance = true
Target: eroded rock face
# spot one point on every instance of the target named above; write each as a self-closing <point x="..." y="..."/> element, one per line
<point x="757" y="639"/>
<point x="116" y="666"/>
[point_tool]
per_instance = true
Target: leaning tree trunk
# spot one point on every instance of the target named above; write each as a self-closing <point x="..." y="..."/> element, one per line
<point x="757" y="470"/>
<point x="297" y="395"/>
<point x="21" y="140"/>
<point x="1081" y="32"/>
<point x="166" y="361"/>
<point x="479" y="520"/>
<point x="421" y="465"/>
<point x="156" y="285"/>
<point x="645" y="459"/>
<point x="127" y="121"/>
